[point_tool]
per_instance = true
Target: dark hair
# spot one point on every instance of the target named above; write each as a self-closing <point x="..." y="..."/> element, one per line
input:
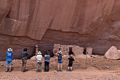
<point x="59" y="48"/>
<point x="47" y="52"/>
<point x="84" y="52"/>
<point x="70" y="51"/>
<point x="25" y="49"/>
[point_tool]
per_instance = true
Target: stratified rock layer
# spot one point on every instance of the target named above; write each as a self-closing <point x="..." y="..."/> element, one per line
<point x="87" y="23"/>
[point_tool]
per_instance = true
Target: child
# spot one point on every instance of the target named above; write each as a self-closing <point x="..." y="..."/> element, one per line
<point x="9" y="58"/>
<point x="60" y="60"/>
<point x="39" y="61"/>
<point x="24" y="56"/>
<point x="47" y="61"/>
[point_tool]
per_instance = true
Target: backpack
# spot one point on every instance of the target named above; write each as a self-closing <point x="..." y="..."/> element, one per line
<point x="59" y="56"/>
<point x="24" y="55"/>
<point x="47" y="58"/>
<point x="71" y="58"/>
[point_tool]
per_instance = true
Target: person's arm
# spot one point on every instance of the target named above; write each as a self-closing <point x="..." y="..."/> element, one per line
<point x="68" y="57"/>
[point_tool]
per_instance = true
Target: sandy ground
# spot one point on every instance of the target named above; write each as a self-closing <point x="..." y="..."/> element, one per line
<point x="97" y="68"/>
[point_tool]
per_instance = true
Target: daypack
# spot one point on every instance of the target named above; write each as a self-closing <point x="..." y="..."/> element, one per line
<point x="59" y="56"/>
<point x="24" y="55"/>
<point x="47" y="58"/>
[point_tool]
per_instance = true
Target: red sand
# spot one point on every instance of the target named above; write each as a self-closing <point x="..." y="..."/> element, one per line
<point x="97" y="69"/>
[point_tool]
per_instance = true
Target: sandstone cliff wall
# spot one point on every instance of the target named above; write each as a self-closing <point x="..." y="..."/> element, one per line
<point x="94" y="23"/>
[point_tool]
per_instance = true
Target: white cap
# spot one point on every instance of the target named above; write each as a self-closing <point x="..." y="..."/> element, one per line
<point x="10" y="49"/>
<point x="39" y="53"/>
<point x="60" y="52"/>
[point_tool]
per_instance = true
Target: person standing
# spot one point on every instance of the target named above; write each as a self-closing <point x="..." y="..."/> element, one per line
<point x="36" y="49"/>
<point x="24" y="56"/>
<point x="47" y="61"/>
<point x="39" y="62"/>
<point x="70" y="60"/>
<point x="9" y="58"/>
<point x="59" y="60"/>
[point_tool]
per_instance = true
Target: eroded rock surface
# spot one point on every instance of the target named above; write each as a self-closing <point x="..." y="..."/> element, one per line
<point x="93" y="23"/>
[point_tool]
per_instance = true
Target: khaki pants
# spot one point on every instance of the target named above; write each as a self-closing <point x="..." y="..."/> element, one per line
<point x="39" y="66"/>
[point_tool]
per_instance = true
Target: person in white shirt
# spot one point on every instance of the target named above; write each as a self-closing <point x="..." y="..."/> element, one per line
<point x="39" y="61"/>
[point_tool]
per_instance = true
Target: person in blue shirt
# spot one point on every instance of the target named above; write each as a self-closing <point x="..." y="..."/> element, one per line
<point x="59" y="60"/>
<point x="9" y="58"/>
<point x="47" y="61"/>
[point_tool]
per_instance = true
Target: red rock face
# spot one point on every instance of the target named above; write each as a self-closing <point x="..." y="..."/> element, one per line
<point x="94" y="23"/>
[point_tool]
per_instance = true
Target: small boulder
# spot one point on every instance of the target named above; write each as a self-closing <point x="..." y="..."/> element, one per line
<point x="112" y="53"/>
<point x="33" y="58"/>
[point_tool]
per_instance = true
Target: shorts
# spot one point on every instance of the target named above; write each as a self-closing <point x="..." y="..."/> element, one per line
<point x="70" y="64"/>
<point x="59" y="61"/>
<point x="8" y="62"/>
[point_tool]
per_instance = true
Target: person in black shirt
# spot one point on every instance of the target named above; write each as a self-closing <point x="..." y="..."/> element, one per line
<point x="24" y="57"/>
<point x="70" y="60"/>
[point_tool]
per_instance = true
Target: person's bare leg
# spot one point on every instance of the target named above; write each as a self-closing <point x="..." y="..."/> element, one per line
<point x="7" y="68"/>
<point x="58" y="66"/>
<point x="10" y="67"/>
<point x="22" y="69"/>
<point x="61" y="67"/>
<point x="25" y="64"/>
<point x="71" y="68"/>
<point x="68" y="68"/>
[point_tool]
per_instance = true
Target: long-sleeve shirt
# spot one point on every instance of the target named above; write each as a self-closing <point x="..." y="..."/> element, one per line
<point x="9" y="56"/>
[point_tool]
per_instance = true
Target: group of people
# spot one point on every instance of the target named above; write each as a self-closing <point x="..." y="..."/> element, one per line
<point x="39" y="59"/>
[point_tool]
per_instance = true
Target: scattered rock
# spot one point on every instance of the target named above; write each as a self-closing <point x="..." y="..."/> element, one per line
<point x="112" y="53"/>
<point x="65" y="49"/>
<point x="33" y="58"/>
<point x="83" y="56"/>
